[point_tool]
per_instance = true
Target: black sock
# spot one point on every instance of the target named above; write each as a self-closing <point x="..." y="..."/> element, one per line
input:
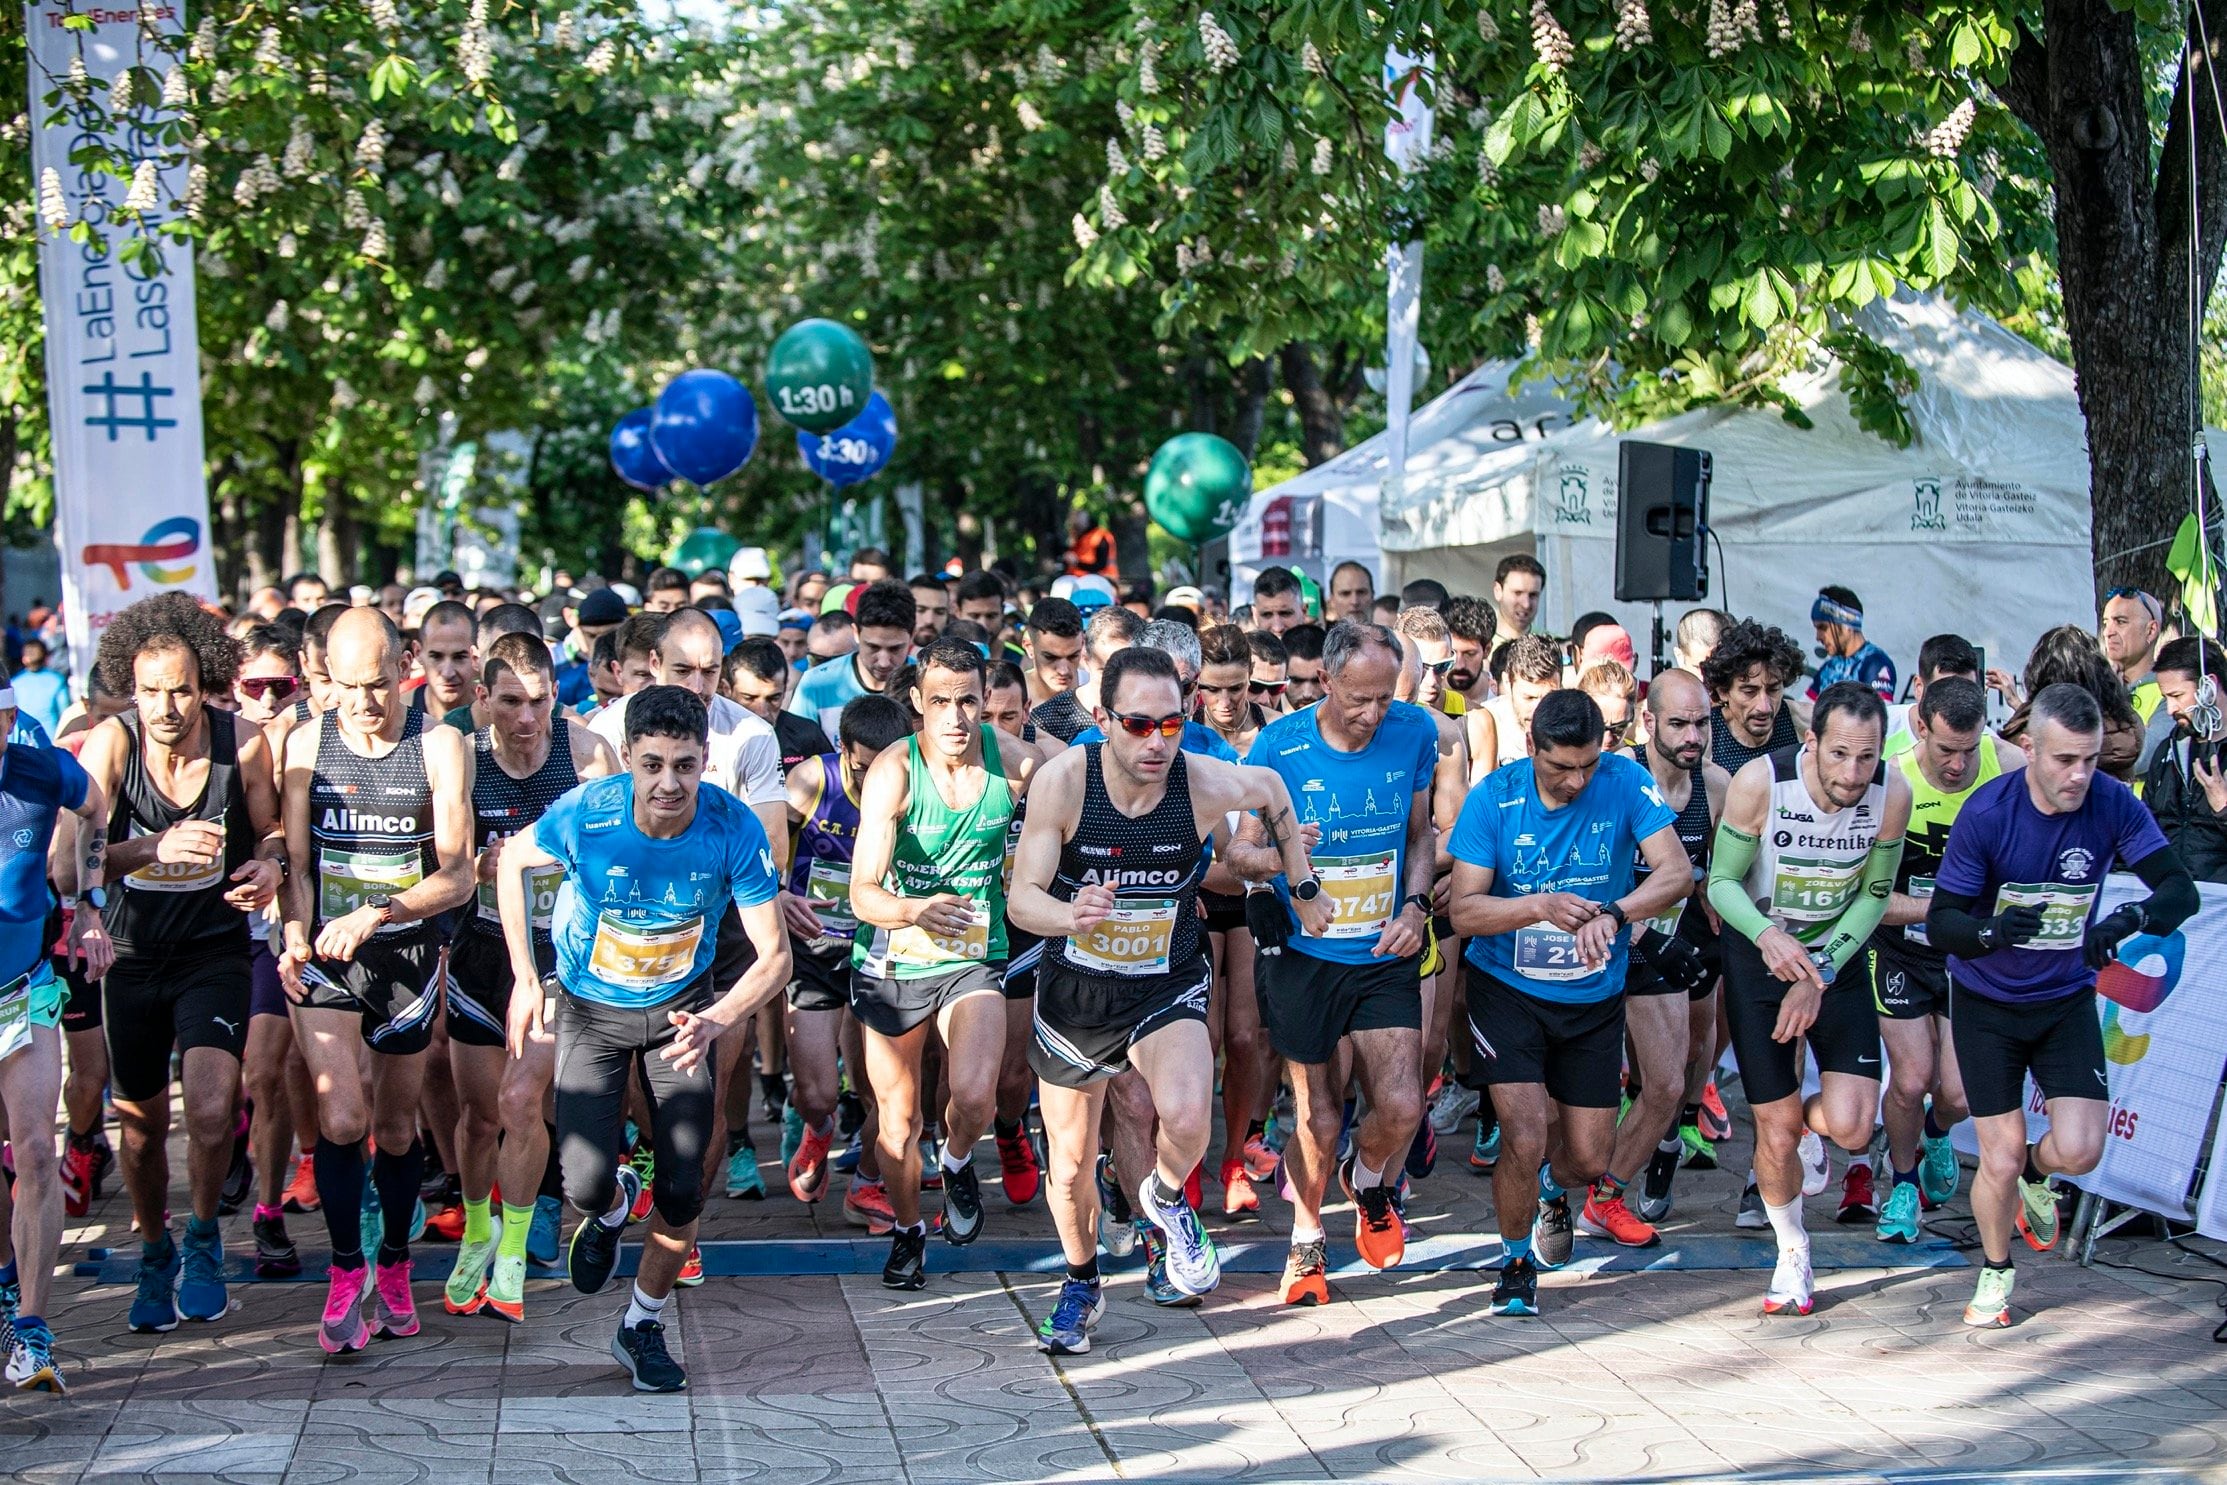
<point x="552" y="1177"/>
<point x="2033" y="1171"/>
<point x="1163" y="1193"/>
<point x="1085" y="1273"/>
<point x="2003" y="1267"/>
<point x="397" y="1177"/>
<point x="1007" y="1131"/>
<point x="1690" y="1114"/>
<point x="1255" y="1129"/>
<point x="340" y="1197"/>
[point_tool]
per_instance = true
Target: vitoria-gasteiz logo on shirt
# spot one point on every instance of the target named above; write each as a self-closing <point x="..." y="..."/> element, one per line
<point x="2146" y="972"/>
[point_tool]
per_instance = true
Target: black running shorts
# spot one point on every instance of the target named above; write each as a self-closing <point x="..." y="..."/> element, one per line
<point x="893" y="1007"/>
<point x="184" y="998"/>
<point x="1998" y="1043"/>
<point x="1575" y="1051"/>
<point x="393" y="983"/>
<point x="1308" y="1004"/>
<point x="1844" y="1038"/>
<point x="1086" y="1024"/>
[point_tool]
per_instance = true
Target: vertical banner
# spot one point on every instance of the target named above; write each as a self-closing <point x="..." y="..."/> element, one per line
<point x="122" y="360"/>
<point x="1407" y="140"/>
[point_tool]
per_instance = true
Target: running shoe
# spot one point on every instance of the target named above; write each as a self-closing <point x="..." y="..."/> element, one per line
<point x="1793" y="1290"/>
<point x="1066" y="1330"/>
<point x="11" y="1300"/>
<point x="1858" y="1201"/>
<point x="79" y="1185"/>
<point x="850" y="1113"/>
<point x="845" y="1161"/>
<point x="1306" y="1275"/>
<point x="1377" y="1230"/>
<point x="866" y="1205"/>
<point x="1751" y="1216"/>
<point x="1990" y="1306"/>
<point x="466" y="1290"/>
<point x="643" y="1161"/>
<point x="1115" y="1234"/>
<point x="640" y="1348"/>
<point x="1938" y="1171"/>
<point x="276" y="1257"/>
<point x="1484" y="1151"/>
<point x="238" y="1176"/>
<point x="1345" y="1134"/>
<point x="447" y="1224"/>
<point x="962" y="1206"/>
<point x="506" y="1288"/>
<point x="1817" y="1166"/>
<point x="395" y="1310"/>
<point x="201" y="1293"/>
<point x="31" y="1365"/>
<point x="792" y="1132"/>
<point x="1606" y="1215"/>
<point x="1517" y="1293"/>
<point x="1715" y="1122"/>
<point x="343" y="1328"/>
<point x="1654" y="1188"/>
<point x="1021" y="1173"/>
<point x="1157" y="1287"/>
<point x="1552" y="1234"/>
<point x="2037" y="1214"/>
<point x="931" y="1163"/>
<point x="1898" y="1219"/>
<point x="1193" y="1265"/>
<point x="371" y="1221"/>
<point x="595" y="1243"/>
<point x="1422" y="1151"/>
<point x="807" y="1166"/>
<point x="691" y="1274"/>
<point x="1701" y="1151"/>
<point x="1276" y="1133"/>
<point x="1260" y="1161"/>
<point x="301" y="1190"/>
<point x="1453" y="1104"/>
<point x="745" y="1182"/>
<point x="1194" y="1187"/>
<point x="907" y="1267"/>
<point x="1239" y="1201"/>
<point x="773" y="1095"/>
<point x="545" y="1235"/>
<point x="154" y="1307"/>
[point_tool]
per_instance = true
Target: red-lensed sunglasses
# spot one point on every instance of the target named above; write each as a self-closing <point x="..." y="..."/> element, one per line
<point x="1266" y="688"/>
<point x="1171" y="726"/>
<point x="277" y="687"/>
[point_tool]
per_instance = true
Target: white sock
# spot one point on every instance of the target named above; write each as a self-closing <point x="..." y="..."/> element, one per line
<point x="644" y="1308"/>
<point x="955" y="1158"/>
<point x="1786" y="1221"/>
<point x="1303" y="1231"/>
<point x="616" y="1217"/>
<point x="1863" y="1160"/>
<point x="1363" y="1177"/>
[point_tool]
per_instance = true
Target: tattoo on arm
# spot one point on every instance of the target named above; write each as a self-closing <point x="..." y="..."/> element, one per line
<point x="1270" y="818"/>
<point x="92" y="846"/>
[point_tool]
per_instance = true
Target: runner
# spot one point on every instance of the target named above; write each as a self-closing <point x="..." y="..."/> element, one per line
<point x="1302" y="666"/>
<point x="1107" y="631"/>
<point x="1518" y="585"/>
<point x="1359" y="766"/>
<point x="1953" y="756"/>
<point x="1108" y="874"/>
<point x="1803" y="864"/>
<point x="1270" y="671"/>
<point x="1279" y="602"/>
<point x="522" y="761"/>
<point x="2019" y="888"/>
<point x="1020" y="1171"/>
<point x="1472" y="623"/>
<point x="1352" y="592"/>
<point x="885" y="615"/>
<point x="757" y="678"/>
<point x="1055" y="653"/>
<point x="197" y="845"/>
<point x="378" y="816"/>
<point x="650" y="857"/>
<point x="1838" y="617"/>
<point x="1939" y="658"/>
<point x="448" y="650"/>
<point x="38" y="784"/>
<point x="1500" y="730"/>
<point x="927" y="889"/>
<point x="1747" y="675"/>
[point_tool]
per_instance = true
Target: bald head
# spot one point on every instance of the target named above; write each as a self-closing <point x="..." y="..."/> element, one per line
<point x="363" y="664"/>
<point x="1676" y="691"/>
<point x="363" y="637"/>
<point x="691" y="652"/>
<point x="1678" y="719"/>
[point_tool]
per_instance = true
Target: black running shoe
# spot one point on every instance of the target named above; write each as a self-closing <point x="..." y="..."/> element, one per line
<point x="275" y="1254"/>
<point x="595" y="1246"/>
<point x="640" y="1348"/>
<point x="908" y="1266"/>
<point x="1654" y="1191"/>
<point x="1517" y="1293"/>
<point x="237" y="1178"/>
<point x="962" y="1206"/>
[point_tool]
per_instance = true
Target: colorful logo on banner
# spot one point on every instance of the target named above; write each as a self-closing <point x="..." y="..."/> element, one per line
<point x="166" y="542"/>
<point x="2147" y="970"/>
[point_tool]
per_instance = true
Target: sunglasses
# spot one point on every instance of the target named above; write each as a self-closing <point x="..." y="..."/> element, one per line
<point x="1267" y="688"/>
<point x="2142" y="596"/>
<point x="1439" y="667"/>
<point x="276" y="687"/>
<point x="1171" y="726"/>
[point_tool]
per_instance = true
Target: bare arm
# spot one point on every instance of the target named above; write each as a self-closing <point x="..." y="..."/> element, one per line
<point x="882" y="806"/>
<point x="592" y="757"/>
<point x="448" y="773"/>
<point x="1449" y="786"/>
<point x="102" y="758"/>
<point x="521" y="854"/>
<point x="88" y="938"/>
<point x="1484" y="742"/>
<point x="1054" y="806"/>
<point x="298" y="760"/>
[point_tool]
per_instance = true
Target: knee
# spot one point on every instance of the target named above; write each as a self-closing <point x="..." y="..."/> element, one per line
<point x="2075" y="1156"/>
<point x="397" y="1131"/>
<point x="1241" y="1045"/>
<point x="1777" y="1131"/>
<point x="678" y="1193"/>
<point x="1187" y="1128"/>
<point x="518" y="1106"/>
<point x="2002" y="1163"/>
<point x="34" y="1167"/>
<point x="972" y="1108"/>
<point x="209" y="1125"/>
<point x="1400" y="1107"/>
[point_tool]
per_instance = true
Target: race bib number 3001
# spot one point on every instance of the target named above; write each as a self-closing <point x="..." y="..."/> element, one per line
<point x="2064" y="912"/>
<point x="1134" y="939"/>
<point x="1361" y="893"/>
<point x="631" y="957"/>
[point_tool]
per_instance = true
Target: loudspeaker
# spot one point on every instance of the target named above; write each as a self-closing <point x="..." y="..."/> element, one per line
<point x="1662" y="513"/>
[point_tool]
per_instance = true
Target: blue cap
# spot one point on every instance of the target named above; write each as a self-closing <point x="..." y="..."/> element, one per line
<point x="730" y="628"/>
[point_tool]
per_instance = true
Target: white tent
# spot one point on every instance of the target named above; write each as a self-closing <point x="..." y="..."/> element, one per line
<point x="1980" y="526"/>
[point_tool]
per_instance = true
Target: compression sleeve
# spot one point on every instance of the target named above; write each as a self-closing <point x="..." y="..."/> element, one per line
<point x="1952" y="926"/>
<point x="1870" y="907"/>
<point x="2173" y="895"/>
<point x="1729" y="860"/>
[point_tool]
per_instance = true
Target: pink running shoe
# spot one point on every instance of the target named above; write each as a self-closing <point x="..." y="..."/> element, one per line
<point x="343" y="1329"/>
<point x="398" y="1312"/>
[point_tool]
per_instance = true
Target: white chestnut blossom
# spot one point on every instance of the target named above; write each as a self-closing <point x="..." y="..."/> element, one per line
<point x="143" y="196"/>
<point x="1633" y="29"/>
<point x="1944" y="139"/>
<point x="425" y="392"/>
<point x="600" y="61"/>
<point x="175" y="93"/>
<point x="1488" y="29"/>
<point x="1116" y="161"/>
<point x="1153" y="143"/>
<point x="1221" y="51"/>
<point x="579" y="268"/>
<point x="270" y="50"/>
<point x="374" y="240"/>
<point x="197" y="190"/>
<point x="204" y="48"/>
<point x="371" y="146"/>
<point x="1723" y="37"/>
<point x="1109" y="210"/>
<point x="1552" y="220"/>
<point x="1495" y="280"/>
<point x="122" y="90"/>
<point x="288" y="246"/>
<point x="568" y="32"/>
<point x="1311" y="59"/>
<point x="514" y="164"/>
<point x="54" y="209"/>
<point x="1030" y="119"/>
<point x="1321" y="165"/>
<point x="300" y="151"/>
<point x="1548" y="39"/>
<point x="1148" y="75"/>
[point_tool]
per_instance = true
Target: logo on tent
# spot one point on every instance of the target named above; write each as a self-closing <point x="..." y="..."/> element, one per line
<point x="1926" y="495"/>
<point x="1574" y="507"/>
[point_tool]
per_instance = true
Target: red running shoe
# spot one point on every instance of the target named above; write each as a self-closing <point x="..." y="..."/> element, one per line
<point x="1716" y="1124"/>
<point x="1018" y="1168"/>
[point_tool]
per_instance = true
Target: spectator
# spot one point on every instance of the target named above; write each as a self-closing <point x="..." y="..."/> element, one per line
<point x="41" y="694"/>
<point x="2070" y="655"/>
<point x="1838" y="617"/>
<point x="2186" y="785"/>
<point x="1090" y="547"/>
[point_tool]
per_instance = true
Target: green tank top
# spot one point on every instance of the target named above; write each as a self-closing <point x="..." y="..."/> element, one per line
<point x="940" y="849"/>
<point x="1932" y="812"/>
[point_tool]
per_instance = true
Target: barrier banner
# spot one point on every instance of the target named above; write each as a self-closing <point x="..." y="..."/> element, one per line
<point x="123" y="368"/>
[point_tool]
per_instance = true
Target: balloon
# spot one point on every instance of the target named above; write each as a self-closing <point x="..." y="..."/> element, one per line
<point x="706" y="549"/>
<point x="856" y="451"/>
<point x="704" y="426"/>
<point x="632" y="457"/>
<point x="819" y="375"/>
<point x="1197" y="487"/>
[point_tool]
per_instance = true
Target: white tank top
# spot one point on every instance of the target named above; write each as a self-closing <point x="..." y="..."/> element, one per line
<point x="1807" y="873"/>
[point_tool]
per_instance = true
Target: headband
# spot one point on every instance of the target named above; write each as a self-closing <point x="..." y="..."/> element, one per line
<point x="1826" y="611"/>
<point x="7" y="698"/>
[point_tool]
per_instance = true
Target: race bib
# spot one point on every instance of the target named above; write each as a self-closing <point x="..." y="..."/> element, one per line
<point x="1921" y="888"/>
<point x="1545" y="952"/>
<point x="630" y="958"/>
<point x="541" y="887"/>
<point x="174" y="876"/>
<point x="1667" y="923"/>
<point x="15" y="1018"/>
<point x="1361" y="893"/>
<point x="916" y="946"/>
<point x="2064" y="912"/>
<point x="346" y="876"/>
<point x="1808" y="890"/>
<point x="1133" y="940"/>
<point x="827" y="890"/>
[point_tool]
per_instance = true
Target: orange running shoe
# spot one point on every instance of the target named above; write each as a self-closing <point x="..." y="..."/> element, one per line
<point x="1306" y="1280"/>
<point x="447" y="1224"/>
<point x="867" y="1205"/>
<point x="1716" y="1124"/>
<point x="1194" y="1187"/>
<point x="1606" y="1215"/>
<point x="1378" y="1231"/>
<point x="808" y="1167"/>
<point x="1260" y="1161"/>
<point x="692" y="1271"/>
<point x="301" y="1191"/>
<point x="1018" y="1168"/>
<point x="1239" y="1200"/>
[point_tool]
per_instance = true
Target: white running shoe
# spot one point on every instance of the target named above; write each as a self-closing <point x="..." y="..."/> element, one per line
<point x="1453" y="1104"/>
<point x="1817" y="1166"/>
<point x="1793" y="1288"/>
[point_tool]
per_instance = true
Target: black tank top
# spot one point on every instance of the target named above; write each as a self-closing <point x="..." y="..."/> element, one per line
<point x="502" y="805"/>
<point x="370" y="822"/>
<point x="1062" y="716"/>
<point x="1732" y="755"/>
<point x="1154" y="865"/>
<point x="165" y="906"/>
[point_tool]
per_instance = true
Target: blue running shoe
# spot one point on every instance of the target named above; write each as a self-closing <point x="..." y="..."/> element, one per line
<point x="154" y="1307"/>
<point x="544" y="1235"/>
<point x="1066" y="1331"/>
<point x="845" y="1161"/>
<point x="792" y="1133"/>
<point x="201" y="1294"/>
<point x="1938" y="1172"/>
<point x="1156" y="1285"/>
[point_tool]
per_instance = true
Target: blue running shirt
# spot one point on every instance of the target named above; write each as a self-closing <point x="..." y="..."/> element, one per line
<point x="36" y="785"/>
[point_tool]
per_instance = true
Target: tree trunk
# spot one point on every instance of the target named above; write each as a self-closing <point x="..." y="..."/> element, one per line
<point x="1321" y="419"/>
<point x="337" y="539"/>
<point x="1254" y="379"/>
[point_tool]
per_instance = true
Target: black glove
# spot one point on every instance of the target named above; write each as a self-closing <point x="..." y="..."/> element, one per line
<point x="2007" y="928"/>
<point x="1270" y="922"/>
<point x="2101" y="946"/>
<point x="1678" y="962"/>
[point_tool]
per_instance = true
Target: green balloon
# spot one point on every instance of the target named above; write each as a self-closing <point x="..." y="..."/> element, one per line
<point x="1197" y="487"/>
<point x="706" y="549"/>
<point x="819" y="375"/>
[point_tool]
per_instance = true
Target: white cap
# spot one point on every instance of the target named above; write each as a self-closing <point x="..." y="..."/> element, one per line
<point x="759" y="603"/>
<point x="1186" y="596"/>
<point x="629" y="592"/>
<point x="416" y="602"/>
<point x="7" y="698"/>
<point x="749" y="564"/>
<point x="756" y="625"/>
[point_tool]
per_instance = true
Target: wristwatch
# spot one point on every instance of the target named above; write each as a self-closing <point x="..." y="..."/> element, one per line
<point x="1616" y="910"/>
<point x="383" y="904"/>
<point x="95" y="898"/>
<point x="1417" y="899"/>
<point x="1307" y="890"/>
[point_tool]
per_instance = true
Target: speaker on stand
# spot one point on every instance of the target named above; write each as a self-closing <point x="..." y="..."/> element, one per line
<point x="1662" y="527"/>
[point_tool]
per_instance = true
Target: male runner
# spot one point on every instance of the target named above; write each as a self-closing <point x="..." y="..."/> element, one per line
<point x="650" y="858"/>
<point x="196" y="847"/>
<point x="1500" y="730"/>
<point x="1471" y="622"/>
<point x="1359" y="766"/>
<point x="378" y="814"/>
<point x="1954" y="755"/>
<point x="2016" y="895"/>
<point x="665" y="592"/>
<point x="1543" y="890"/>
<point x="1518" y="584"/>
<point x="1940" y="657"/>
<point x="1107" y="631"/>
<point x="886" y="615"/>
<point x="1020" y="1172"/>
<point x="927" y="888"/>
<point x="1302" y="666"/>
<point x="1108" y="874"/>
<point x="981" y="599"/>
<point x="1747" y="675"/>
<point x="1271" y="663"/>
<point x="1695" y="638"/>
<point x="449" y="654"/>
<point x="1352" y="592"/>
<point x="37" y="784"/>
<point x="931" y="606"/>
<point x="1804" y="861"/>
<point x="1055" y="653"/>
<point x="1838" y="617"/>
<point x="757" y="679"/>
<point x="1279" y="603"/>
<point x="523" y="760"/>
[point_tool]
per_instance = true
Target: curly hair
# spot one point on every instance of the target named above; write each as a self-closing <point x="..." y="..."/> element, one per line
<point x="168" y="621"/>
<point x="1748" y="644"/>
<point x="2070" y="655"/>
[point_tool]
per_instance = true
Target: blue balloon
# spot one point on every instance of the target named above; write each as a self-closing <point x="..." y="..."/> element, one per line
<point x="704" y="426"/>
<point x="858" y="450"/>
<point x="631" y="455"/>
